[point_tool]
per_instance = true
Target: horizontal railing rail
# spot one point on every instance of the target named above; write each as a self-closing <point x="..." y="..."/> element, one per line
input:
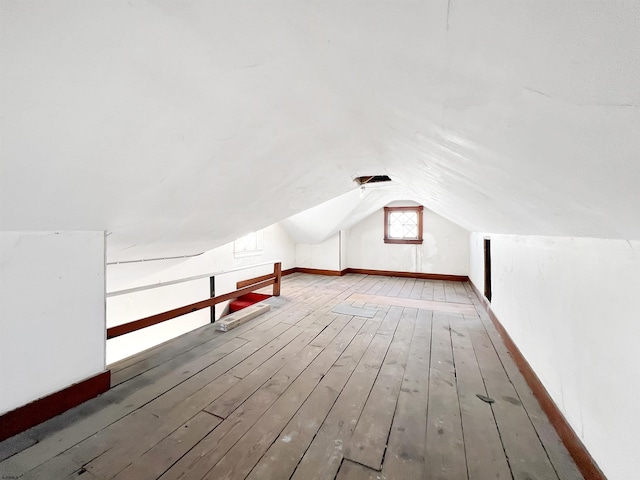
<point x="274" y="278"/>
<point x="151" y="286"/>
<point x="251" y="281"/>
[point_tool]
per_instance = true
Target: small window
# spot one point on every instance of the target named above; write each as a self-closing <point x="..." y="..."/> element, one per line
<point x="250" y="244"/>
<point x="403" y="224"/>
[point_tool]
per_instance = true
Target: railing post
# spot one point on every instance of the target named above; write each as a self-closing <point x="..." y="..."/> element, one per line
<point x="277" y="271"/>
<point x="212" y="292"/>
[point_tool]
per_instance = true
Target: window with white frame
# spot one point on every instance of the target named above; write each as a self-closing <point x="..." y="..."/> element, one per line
<point x="250" y="244"/>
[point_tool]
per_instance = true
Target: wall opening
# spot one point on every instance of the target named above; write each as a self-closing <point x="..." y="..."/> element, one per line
<point x="371" y="179"/>
<point x="487" y="268"/>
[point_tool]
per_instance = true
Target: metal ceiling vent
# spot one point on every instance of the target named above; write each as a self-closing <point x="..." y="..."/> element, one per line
<point x="371" y="179"/>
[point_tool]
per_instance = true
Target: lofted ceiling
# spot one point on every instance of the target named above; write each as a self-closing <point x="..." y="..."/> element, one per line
<point x="180" y="125"/>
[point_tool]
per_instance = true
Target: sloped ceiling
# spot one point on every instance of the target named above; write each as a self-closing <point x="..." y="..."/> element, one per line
<point x="318" y="223"/>
<point x="181" y="125"/>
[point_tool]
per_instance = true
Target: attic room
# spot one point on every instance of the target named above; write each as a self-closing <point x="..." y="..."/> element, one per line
<point x="159" y="153"/>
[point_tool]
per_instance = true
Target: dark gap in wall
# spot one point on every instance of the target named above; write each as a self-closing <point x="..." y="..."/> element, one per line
<point x="371" y="179"/>
<point x="487" y="268"/>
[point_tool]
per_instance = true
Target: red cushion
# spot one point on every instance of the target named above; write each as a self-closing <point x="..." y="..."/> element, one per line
<point x="246" y="301"/>
<point x="254" y="297"/>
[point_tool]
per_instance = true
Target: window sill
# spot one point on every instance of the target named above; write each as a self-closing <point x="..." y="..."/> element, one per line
<point x="248" y="253"/>
<point x="399" y="241"/>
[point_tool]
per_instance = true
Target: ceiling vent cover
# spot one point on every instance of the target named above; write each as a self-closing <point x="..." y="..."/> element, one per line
<point x="371" y="179"/>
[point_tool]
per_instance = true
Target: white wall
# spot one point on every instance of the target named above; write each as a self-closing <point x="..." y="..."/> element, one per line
<point x="344" y="249"/>
<point x="277" y="247"/>
<point x="52" y="319"/>
<point x="130" y="307"/>
<point x="570" y="305"/>
<point x="324" y="255"/>
<point x="445" y="248"/>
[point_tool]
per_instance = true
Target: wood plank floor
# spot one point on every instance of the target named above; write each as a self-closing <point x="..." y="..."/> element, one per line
<point x="305" y="393"/>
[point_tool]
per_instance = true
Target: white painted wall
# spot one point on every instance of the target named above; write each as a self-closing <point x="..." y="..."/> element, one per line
<point x="570" y="305"/>
<point x="277" y="247"/>
<point x="52" y="320"/>
<point x="324" y="255"/>
<point x="344" y="249"/>
<point x="445" y="248"/>
<point x="126" y="308"/>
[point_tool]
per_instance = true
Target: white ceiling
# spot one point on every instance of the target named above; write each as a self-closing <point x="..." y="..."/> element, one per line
<point x="181" y="125"/>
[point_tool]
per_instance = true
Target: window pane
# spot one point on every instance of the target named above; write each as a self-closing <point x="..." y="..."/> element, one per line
<point x="403" y="224"/>
<point x="250" y="244"/>
<point x="246" y="243"/>
<point x="395" y="231"/>
<point x="411" y="218"/>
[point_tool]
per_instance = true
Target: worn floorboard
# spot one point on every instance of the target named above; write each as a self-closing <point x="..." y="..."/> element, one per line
<point x="445" y="450"/>
<point x="404" y="457"/>
<point x="369" y="439"/>
<point x="303" y="393"/>
<point x="410" y="302"/>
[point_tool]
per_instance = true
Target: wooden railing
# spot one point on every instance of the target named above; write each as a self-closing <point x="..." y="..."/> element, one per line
<point x="244" y="287"/>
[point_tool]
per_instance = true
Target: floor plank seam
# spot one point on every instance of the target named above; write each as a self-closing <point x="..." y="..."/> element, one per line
<point x="335" y="477"/>
<point x="242" y="436"/>
<point x="367" y="467"/>
<point x="374" y="382"/>
<point x="187" y="359"/>
<point x="194" y="374"/>
<point x="481" y="315"/>
<point x="287" y="363"/>
<point x="95" y="456"/>
<point x="301" y="405"/>
<point x="533" y="425"/>
<point x="213" y="414"/>
<point x="312" y="438"/>
<point x="120" y="382"/>
<point x="169" y="467"/>
<point x="455" y="375"/>
<point x="168" y="434"/>
<point x="493" y="413"/>
<point x="277" y="437"/>
<point x="87" y="437"/>
<point x="331" y="408"/>
<point x="386" y="446"/>
<point x="147" y="353"/>
<point x="395" y="409"/>
<point x="428" y="384"/>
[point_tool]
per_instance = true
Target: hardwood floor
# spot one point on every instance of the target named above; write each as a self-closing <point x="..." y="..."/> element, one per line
<point x="305" y="393"/>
